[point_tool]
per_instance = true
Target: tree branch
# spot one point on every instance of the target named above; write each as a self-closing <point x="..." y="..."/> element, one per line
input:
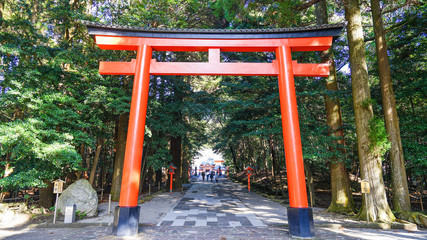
<point x="407" y="3"/>
<point x="392" y="28"/>
<point x="5" y="115"/>
<point x="306" y="5"/>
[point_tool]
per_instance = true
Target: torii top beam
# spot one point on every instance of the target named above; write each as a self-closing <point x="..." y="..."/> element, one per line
<point x="257" y="40"/>
<point x="317" y="38"/>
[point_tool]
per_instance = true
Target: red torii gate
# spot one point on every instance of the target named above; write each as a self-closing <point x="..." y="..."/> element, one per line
<point x="281" y="41"/>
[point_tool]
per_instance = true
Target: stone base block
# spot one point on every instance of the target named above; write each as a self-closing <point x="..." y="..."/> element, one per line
<point x="126" y="221"/>
<point x="301" y="222"/>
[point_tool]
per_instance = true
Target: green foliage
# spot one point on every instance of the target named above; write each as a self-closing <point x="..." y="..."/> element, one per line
<point x="42" y="118"/>
<point x="368" y="102"/>
<point x="80" y="215"/>
<point x="36" y="154"/>
<point x="379" y="143"/>
<point x="259" y="14"/>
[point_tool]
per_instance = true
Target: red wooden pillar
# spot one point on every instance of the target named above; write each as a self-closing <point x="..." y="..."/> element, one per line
<point x="291" y="132"/>
<point x="300" y="216"/>
<point x="126" y="217"/>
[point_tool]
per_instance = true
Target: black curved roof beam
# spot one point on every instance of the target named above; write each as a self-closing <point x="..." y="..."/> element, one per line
<point x="298" y="32"/>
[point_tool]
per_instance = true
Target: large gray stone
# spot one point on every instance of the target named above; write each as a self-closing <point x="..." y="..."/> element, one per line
<point x="83" y="195"/>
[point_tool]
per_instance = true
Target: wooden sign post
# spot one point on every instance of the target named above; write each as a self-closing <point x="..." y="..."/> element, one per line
<point x="366" y="189"/>
<point x="58" y="186"/>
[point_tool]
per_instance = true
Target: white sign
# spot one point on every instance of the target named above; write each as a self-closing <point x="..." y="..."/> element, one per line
<point x="58" y="186"/>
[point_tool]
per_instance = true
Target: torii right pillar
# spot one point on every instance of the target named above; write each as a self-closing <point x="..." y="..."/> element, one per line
<point x="300" y="216"/>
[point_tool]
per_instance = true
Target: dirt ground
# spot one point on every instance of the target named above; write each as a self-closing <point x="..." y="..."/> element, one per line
<point x="272" y="189"/>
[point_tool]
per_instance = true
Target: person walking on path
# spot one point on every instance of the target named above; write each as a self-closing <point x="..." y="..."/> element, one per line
<point x="211" y="175"/>
<point x="203" y="176"/>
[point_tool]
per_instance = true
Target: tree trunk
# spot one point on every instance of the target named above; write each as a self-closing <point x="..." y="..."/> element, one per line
<point x="143" y="168"/>
<point x="1" y="8"/>
<point x="119" y="156"/>
<point x="419" y="187"/>
<point x="34" y="11"/>
<point x="95" y="161"/>
<point x="47" y="198"/>
<point x="375" y="206"/>
<point x="185" y="169"/>
<point x="401" y="202"/>
<point x="85" y="153"/>
<point x="342" y="200"/>
<point x="265" y="158"/>
<point x="184" y="174"/>
<point x="150" y="176"/>
<point x="159" y="176"/>
<point x="175" y="150"/>
<point x="185" y="165"/>
<point x="233" y="154"/>
<point x="82" y="155"/>
<point x="7" y="169"/>
<point x="89" y="4"/>
<point x="273" y="157"/>
<point x="310" y="183"/>
<point x="321" y="13"/>
<point x="104" y="169"/>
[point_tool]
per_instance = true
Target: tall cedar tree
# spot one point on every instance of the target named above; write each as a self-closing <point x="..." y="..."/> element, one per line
<point x="401" y="202"/>
<point x="374" y="205"/>
<point x="342" y="200"/>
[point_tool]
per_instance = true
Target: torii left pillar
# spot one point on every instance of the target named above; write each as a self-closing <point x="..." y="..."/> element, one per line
<point x="126" y="216"/>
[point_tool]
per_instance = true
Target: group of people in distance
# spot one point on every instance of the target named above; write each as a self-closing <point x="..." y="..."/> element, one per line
<point x="212" y="175"/>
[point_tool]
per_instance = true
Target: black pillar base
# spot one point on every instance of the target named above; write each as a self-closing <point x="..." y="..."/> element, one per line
<point x="126" y="221"/>
<point x="301" y="222"/>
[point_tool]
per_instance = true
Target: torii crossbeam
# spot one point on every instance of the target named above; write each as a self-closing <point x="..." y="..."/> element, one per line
<point x="281" y="41"/>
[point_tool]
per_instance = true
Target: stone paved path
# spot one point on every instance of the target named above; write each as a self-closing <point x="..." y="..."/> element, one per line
<point x="213" y="211"/>
<point x="207" y="233"/>
<point x="211" y="204"/>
